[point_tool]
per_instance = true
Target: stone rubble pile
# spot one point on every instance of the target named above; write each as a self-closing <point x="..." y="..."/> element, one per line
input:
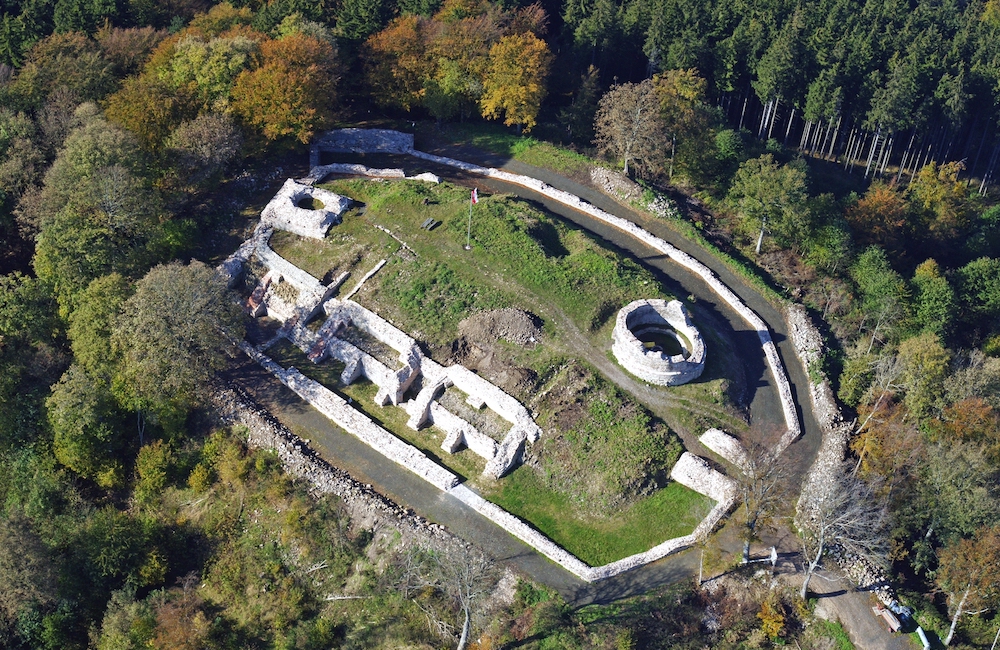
<point x="366" y="507"/>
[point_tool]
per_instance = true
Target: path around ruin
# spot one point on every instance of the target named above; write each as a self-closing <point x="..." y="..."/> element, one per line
<point x="369" y="466"/>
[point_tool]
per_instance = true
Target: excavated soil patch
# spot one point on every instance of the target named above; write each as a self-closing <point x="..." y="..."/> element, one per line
<point x="512" y="325"/>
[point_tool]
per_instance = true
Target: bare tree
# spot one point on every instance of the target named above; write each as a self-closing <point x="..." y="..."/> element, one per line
<point x="466" y="576"/>
<point x="763" y="488"/>
<point x="841" y="512"/>
<point x="628" y="125"/>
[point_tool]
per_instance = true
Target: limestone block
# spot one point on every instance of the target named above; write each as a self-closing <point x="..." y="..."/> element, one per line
<point x="697" y="474"/>
<point x="283" y="213"/>
<point x="419" y="408"/>
<point x="726" y="446"/>
<point x="318" y="172"/>
<point x="453" y="441"/>
<point x="656" y="367"/>
<point x="508" y="455"/>
<point x="356" y="423"/>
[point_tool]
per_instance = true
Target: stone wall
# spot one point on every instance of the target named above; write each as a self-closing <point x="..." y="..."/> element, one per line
<point x="793" y="427"/>
<point x="360" y="141"/>
<point x="727" y="447"/>
<point x="656" y="367"/>
<point x="283" y="213"/>
<point x="338" y="411"/>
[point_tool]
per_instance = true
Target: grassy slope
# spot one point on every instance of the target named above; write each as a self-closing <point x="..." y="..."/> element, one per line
<point x="495" y="139"/>
<point x="428" y="294"/>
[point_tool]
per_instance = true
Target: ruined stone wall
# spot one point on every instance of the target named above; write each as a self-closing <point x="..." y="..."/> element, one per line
<point x="726" y="446"/>
<point x="793" y="427"/>
<point x="657" y="367"/>
<point x="362" y="141"/>
<point x="283" y="213"/>
<point x="338" y="411"/>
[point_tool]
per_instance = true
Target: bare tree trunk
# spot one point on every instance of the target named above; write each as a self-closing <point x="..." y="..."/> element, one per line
<point x="822" y="142"/>
<point x="743" y="112"/>
<point x="833" y="140"/>
<point x="871" y="152"/>
<point x="989" y="169"/>
<point x="958" y="612"/>
<point x="906" y="154"/>
<point x="810" y="569"/>
<point x="464" y="639"/>
<point x="888" y="154"/>
<point x="849" y="151"/>
<point x="763" y="118"/>
<point x="788" y="129"/>
<point x="805" y="135"/>
<point x="982" y="142"/>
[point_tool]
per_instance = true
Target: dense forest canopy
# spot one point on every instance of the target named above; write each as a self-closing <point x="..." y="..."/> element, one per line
<point x="843" y="150"/>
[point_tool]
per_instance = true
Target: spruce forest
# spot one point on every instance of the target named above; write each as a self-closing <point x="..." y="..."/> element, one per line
<point x="841" y="154"/>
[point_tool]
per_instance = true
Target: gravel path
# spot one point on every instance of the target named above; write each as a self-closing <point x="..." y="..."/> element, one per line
<point x="837" y="601"/>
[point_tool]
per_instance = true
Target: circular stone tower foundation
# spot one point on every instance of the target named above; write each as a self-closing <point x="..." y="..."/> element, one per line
<point x="640" y="324"/>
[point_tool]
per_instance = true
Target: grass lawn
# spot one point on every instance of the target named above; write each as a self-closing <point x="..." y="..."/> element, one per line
<point x="671" y="512"/>
<point x="525" y="148"/>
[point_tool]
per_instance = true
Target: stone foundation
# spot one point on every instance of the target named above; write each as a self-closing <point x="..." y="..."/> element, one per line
<point x="284" y="213"/>
<point x="652" y="365"/>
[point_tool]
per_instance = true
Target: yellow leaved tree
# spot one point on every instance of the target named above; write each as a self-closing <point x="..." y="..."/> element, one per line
<point x="515" y="81"/>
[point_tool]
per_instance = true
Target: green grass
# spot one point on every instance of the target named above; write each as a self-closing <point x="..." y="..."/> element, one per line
<point x="671" y="512"/>
<point x="520" y="147"/>
<point x="512" y="240"/>
<point x="835" y="631"/>
<point x="550" y="156"/>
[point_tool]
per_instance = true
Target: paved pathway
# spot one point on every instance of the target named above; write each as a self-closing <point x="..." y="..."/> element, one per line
<point x="838" y="601"/>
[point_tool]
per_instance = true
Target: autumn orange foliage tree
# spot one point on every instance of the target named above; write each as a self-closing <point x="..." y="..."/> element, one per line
<point x="469" y="57"/>
<point x="880" y="218"/>
<point x="293" y="92"/>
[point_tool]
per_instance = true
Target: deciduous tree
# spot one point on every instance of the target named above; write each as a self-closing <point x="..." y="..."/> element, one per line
<point x="515" y="80"/>
<point x="293" y="92"/>
<point x="173" y="334"/>
<point x="969" y="572"/>
<point x="773" y="198"/>
<point x="88" y="428"/>
<point x="841" y="511"/>
<point x="762" y="486"/>
<point x="629" y="127"/>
